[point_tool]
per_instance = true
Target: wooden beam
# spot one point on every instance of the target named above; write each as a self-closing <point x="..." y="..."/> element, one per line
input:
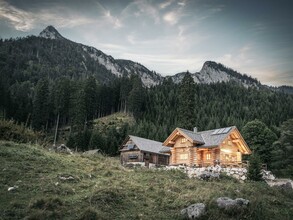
<point x="236" y="140"/>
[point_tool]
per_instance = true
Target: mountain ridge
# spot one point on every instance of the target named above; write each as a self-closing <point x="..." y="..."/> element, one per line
<point x="211" y="72"/>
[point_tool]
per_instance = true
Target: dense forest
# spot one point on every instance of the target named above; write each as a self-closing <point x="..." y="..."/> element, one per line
<point x="43" y="84"/>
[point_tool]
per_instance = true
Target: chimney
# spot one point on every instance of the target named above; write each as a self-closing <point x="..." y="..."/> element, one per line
<point x="195" y="129"/>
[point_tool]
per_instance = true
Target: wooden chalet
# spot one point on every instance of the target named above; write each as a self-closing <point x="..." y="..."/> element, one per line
<point x="224" y="146"/>
<point x="137" y="149"/>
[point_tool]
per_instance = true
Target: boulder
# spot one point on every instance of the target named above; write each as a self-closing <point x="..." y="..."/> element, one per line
<point x="66" y="177"/>
<point x="13" y="188"/>
<point x="92" y="152"/>
<point x="285" y="184"/>
<point x="228" y="203"/>
<point x="243" y="178"/>
<point x="63" y="149"/>
<point x="193" y="211"/>
<point x="205" y="176"/>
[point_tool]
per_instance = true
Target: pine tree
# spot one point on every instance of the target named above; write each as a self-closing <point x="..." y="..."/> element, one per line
<point x="136" y="97"/>
<point x="254" y="168"/>
<point x="283" y="151"/>
<point x="97" y="141"/>
<point x="78" y="109"/>
<point x="41" y="105"/>
<point x="260" y="139"/>
<point x="90" y="93"/>
<point x="186" y="117"/>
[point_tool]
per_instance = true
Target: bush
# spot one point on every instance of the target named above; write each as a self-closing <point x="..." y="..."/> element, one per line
<point x="11" y="131"/>
<point x="254" y="168"/>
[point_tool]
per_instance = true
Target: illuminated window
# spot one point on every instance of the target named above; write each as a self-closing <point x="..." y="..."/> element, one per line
<point x="183" y="156"/>
<point x="183" y="140"/>
<point x="208" y="156"/>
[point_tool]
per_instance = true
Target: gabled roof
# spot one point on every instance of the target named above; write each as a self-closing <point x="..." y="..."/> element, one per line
<point x="204" y="139"/>
<point x="149" y="145"/>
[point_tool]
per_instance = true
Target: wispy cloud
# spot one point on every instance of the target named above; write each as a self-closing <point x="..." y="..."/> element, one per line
<point x="21" y="20"/>
<point x="24" y="20"/>
<point x="148" y="9"/>
<point x="173" y="17"/>
<point x="166" y="4"/>
<point x="239" y="58"/>
<point x="112" y="20"/>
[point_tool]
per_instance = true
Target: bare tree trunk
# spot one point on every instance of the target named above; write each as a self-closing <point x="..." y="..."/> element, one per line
<point x="56" y="131"/>
<point x="27" y="120"/>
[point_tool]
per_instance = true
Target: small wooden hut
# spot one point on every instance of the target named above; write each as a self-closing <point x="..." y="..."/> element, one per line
<point x="137" y="149"/>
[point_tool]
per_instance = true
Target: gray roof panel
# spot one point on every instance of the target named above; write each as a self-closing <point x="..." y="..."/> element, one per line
<point x="210" y="138"/>
<point x="149" y="145"/>
<point x="194" y="136"/>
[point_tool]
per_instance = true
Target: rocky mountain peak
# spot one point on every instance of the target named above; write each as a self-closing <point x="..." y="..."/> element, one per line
<point x="50" y="33"/>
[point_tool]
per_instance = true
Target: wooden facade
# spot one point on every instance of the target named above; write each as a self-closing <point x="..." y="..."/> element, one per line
<point x="185" y="150"/>
<point x="132" y="151"/>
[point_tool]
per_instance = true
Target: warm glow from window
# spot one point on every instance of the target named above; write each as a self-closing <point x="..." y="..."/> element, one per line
<point x="226" y="150"/>
<point x="183" y="156"/>
<point x="183" y="140"/>
<point x="208" y="156"/>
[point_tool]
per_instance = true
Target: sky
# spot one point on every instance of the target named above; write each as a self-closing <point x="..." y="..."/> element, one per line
<point x="170" y="36"/>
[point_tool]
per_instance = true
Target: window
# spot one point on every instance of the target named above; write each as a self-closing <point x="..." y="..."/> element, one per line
<point x="183" y="156"/>
<point x="133" y="156"/>
<point x="208" y="156"/>
<point x="183" y="140"/>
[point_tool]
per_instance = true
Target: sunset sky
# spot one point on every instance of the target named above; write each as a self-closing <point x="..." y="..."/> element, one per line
<point x="252" y="36"/>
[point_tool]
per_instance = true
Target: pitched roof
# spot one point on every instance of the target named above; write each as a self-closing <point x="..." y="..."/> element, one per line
<point x="194" y="136"/>
<point x="149" y="145"/>
<point x="210" y="138"/>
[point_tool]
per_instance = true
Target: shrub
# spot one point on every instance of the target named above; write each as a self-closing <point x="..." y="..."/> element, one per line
<point x="254" y="168"/>
<point x="11" y="131"/>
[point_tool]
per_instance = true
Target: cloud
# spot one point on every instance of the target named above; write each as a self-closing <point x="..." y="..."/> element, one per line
<point x="21" y="20"/>
<point x="171" y="17"/>
<point x="165" y="4"/>
<point x="148" y="9"/>
<point x="112" y="20"/>
<point x="167" y="64"/>
<point x="24" y="20"/>
<point x="239" y="58"/>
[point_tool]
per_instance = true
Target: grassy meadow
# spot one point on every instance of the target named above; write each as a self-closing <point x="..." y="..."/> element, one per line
<point x="102" y="189"/>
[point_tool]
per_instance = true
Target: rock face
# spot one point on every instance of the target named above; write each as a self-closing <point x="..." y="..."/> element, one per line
<point x="213" y="72"/>
<point x="228" y="203"/>
<point x="194" y="211"/>
<point x="50" y="33"/>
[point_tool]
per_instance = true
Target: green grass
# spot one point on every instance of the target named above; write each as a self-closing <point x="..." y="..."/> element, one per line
<point x="102" y="189"/>
<point x="116" y="120"/>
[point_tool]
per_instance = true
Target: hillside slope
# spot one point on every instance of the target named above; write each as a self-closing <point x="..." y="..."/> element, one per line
<point x="98" y="187"/>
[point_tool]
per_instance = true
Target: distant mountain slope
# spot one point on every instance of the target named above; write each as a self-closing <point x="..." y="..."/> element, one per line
<point x="213" y="72"/>
<point x="53" y="55"/>
<point x="118" y="68"/>
<point x="149" y="78"/>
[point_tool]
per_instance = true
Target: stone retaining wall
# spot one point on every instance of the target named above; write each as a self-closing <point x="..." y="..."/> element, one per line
<point x="212" y="171"/>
